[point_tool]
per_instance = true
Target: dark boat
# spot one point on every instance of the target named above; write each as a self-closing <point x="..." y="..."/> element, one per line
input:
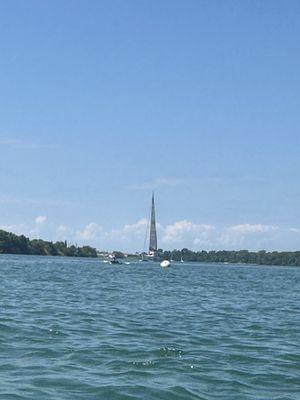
<point x="114" y="260"/>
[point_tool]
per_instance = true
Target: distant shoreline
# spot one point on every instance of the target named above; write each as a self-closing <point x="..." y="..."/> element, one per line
<point x="19" y="244"/>
<point x="262" y="257"/>
<point x="134" y="259"/>
<point x="13" y="244"/>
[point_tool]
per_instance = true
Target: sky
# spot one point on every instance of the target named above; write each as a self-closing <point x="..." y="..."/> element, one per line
<point x="102" y="102"/>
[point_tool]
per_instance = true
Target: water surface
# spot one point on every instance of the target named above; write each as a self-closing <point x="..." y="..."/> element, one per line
<point x="80" y="329"/>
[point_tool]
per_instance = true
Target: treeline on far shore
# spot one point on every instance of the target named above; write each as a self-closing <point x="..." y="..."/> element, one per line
<point x="242" y="256"/>
<point x="19" y="244"/>
<point x="227" y="256"/>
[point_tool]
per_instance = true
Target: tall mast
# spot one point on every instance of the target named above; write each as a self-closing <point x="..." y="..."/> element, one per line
<point x="153" y="235"/>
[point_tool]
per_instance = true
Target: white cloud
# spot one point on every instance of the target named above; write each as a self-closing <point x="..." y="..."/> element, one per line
<point x="128" y="237"/>
<point x="64" y="232"/>
<point x="247" y="235"/>
<point x="63" y="229"/>
<point x="90" y="232"/>
<point x="184" y="233"/>
<point x="40" y="219"/>
<point x="187" y="233"/>
<point x="129" y="233"/>
<point x="31" y="231"/>
<point x="18" y="229"/>
<point x="202" y="236"/>
<point x="132" y="228"/>
<point x="196" y="236"/>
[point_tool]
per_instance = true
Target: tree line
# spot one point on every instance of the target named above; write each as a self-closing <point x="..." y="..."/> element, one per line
<point x="11" y="243"/>
<point x="226" y="256"/>
<point x="19" y="244"/>
<point x="242" y="256"/>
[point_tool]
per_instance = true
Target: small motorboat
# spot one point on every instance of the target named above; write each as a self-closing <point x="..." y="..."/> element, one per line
<point x="113" y="259"/>
<point x="114" y="262"/>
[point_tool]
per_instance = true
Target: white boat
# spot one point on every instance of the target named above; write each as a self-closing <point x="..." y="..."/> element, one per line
<point x="165" y="264"/>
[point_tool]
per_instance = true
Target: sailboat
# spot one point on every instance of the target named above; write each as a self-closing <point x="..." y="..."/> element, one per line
<point x="153" y="255"/>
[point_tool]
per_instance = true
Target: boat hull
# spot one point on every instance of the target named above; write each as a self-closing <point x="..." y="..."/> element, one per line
<point x="165" y="264"/>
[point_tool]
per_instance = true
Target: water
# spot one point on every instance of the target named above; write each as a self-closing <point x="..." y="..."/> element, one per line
<point x="81" y="329"/>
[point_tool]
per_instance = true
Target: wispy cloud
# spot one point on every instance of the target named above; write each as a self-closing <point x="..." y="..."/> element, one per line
<point x="158" y="183"/>
<point x="25" y="144"/>
<point x="294" y="230"/>
<point x="234" y="179"/>
<point x="40" y="219"/>
<point x="33" y="229"/>
<point x="18" y="229"/>
<point x="246" y="229"/>
<point x="170" y="182"/>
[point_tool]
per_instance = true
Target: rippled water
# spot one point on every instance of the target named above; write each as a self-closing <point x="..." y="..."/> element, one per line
<point x="81" y="329"/>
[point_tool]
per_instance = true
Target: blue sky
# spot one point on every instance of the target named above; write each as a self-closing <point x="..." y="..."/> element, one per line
<point x="103" y="101"/>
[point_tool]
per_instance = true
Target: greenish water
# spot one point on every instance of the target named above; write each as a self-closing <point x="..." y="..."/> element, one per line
<point x="81" y="329"/>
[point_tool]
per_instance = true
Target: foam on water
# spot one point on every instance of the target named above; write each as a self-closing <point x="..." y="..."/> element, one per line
<point x="82" y="329"/>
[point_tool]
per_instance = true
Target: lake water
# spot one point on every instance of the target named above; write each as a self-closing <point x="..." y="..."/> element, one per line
<point x="82" y="329"/>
